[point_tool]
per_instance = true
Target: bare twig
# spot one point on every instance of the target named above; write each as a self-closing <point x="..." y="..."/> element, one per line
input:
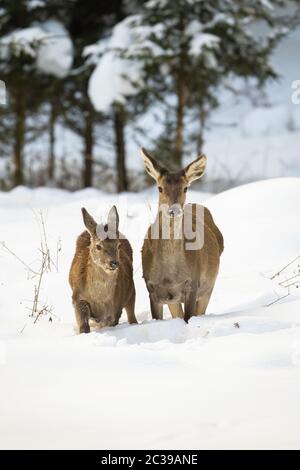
<point x="45" y="262"/>
<point x="285" y="267"/>
<point x="21" y="331"/>
<point x="18" y="258"/>
<point x="58" y="250"/>
<point x="290" y="279"/>
<point x="277" y="300"/>
<point x="296" y="283"/>
<point x="45" y="267"/>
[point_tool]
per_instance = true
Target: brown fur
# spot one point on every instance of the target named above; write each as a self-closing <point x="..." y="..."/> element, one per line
<point x="98" y="293"/>
<point x="174" y="274"/>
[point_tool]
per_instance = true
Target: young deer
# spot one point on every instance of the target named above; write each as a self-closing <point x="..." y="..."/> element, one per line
<point x="174" y="273"/>
<point x="101" y="275"/>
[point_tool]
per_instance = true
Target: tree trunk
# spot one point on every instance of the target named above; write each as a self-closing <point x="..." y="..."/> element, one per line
<point x="88" y="150"/>
<point x="202" y="121"/>
<point x="119" y="125"/>
<point x="19" y="138"/>
<point x="51" y="160"/>
<point x="179" y="122"/>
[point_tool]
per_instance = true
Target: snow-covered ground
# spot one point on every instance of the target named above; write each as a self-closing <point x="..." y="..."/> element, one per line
<point x="230" y="379"/>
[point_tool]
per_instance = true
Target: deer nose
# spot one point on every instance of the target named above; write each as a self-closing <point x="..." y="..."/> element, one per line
<point x="170" y="296"/>
<point x="175" y="210"/>
<point x="114" y="264"/>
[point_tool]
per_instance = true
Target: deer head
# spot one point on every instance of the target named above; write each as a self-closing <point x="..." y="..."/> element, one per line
<point x="173" y="186"/>
<point x="105" y="240"/>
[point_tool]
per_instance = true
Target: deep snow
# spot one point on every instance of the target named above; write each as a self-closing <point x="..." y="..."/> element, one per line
<point x="230" y="379"/>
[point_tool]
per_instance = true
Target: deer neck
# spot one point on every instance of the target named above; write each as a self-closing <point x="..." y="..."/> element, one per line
<point x="105" y="278"/>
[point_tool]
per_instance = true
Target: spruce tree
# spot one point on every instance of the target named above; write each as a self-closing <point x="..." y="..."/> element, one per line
<point x="188" y="48"/>
<point x="89" y="20"/>
<point x="29" y="90"/>
<point x="17" y="70"/>
<point x="123" y="108"/>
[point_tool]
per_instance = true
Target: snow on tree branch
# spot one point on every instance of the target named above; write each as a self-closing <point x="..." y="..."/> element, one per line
<point x="48" y="43"/>
<point x="115" y="77"/>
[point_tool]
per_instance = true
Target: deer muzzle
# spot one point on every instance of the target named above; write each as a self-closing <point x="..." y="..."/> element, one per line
<point x="175" y="210"/>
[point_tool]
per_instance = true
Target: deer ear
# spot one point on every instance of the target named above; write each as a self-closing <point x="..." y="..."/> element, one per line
<point x="113" y="219"/>
<point x="89" y="222"/>
<point x="195" y="169"/>
<point x="153" y="168"/>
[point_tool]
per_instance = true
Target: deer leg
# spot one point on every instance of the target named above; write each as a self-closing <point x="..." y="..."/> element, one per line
<point x="156" y="310"/>
<point x="130" y="310"/>
<point x="203" y="302"/>
<point x="82" y="313"/>
<point x="176" y="310"/>
<point x="190" y="303"/>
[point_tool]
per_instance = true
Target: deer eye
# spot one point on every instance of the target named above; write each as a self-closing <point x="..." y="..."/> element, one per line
<point x="160" y="189"/>
<point x="185" y="189"/>
<point x="98" y="247"/>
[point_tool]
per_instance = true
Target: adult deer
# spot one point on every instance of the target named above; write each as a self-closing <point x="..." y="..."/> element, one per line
<point x="101" y="275"/>
<point x="175" y="270"/>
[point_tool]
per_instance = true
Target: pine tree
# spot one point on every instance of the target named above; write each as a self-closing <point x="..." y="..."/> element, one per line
<point x="29" y="88"/>
<point x="188" y="48"/>
<point x="128" y="99"/>
<point x="89" y="21"/>
<point x="17" y="69"/>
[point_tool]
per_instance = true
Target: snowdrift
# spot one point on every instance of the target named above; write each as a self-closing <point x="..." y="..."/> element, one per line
<point x="226" y="380"/>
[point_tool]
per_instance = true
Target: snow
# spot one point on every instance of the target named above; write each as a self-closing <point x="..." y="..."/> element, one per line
<point x="114" y="77"/>
<point x="267" y="121"/>
<point x="2" y="93"/>
<point x="55" y="56"/>
<point x="48" y="43"/>
<point x="199" y="39"/>
<point x="246" y="159"/>
<point x="22" y="41"/>
<point x="267" y="4"/>
<point x="203" y="40"/>
<point x="252" y="135"/>
<point x="296" y="93"/>
<point x="32" y="4"/>
<point x="265" y="211"/>
<point x="108" y="85"/>
<point x="226" y="380"/>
